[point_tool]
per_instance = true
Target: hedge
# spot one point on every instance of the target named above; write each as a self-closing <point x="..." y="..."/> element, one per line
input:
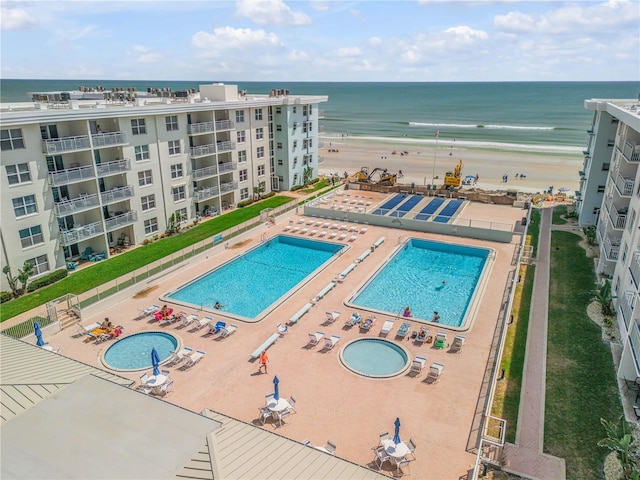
<point x="48" y="279"/>
<point x="5" y="296"/>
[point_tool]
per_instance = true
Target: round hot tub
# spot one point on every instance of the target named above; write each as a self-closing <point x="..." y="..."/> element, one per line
<point x="375" y="358"/>
<point x="134" y="352"/>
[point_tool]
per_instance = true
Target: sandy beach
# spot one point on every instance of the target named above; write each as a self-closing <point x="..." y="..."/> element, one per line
<point x="535" y="171"/>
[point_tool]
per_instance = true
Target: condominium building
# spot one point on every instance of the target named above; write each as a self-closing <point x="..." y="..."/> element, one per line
<point x="91" y="170"/>
<point x="610" y="200"/>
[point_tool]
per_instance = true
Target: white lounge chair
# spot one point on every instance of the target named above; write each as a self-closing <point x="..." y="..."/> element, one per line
<point x="352" y="238"/>
<point x="418" y="365"/>
<point x="363" y="230"/>
<point x="458" y="342"/>
<point x="322" y="233"/>
<point x="342" y="236"/>
<point x="282" y="329"/>
<point x="203" y="322"/>
<point x="194" y="358"/>
<point x="435" y="372"/>
<point x="314" y="338"/>
<point x="166" y="388"/>
<point x="147" y="312"/>
<point x="387" y="327"/>
<point x="333" y="316"/>
<point x="304" y="231"/>
<point x="228" y="330"/>
<point x="330" y="342"/>
<point x="186" y="321"/>
<point x="332" y="235"/>
<point x="287" y="228"/>
<point x="313" y="232"/>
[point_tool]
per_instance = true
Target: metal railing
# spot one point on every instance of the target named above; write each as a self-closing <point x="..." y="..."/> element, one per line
<point x="202" y="127"/>
<point x="611" y="247"/>
<point x="66" y="144"/>
<point x="75" y="205"/>
<point x="227" y="167"/>
<point x="117" y="194"/>
<point x="206" y="193"/>
<point x="71" y="175"/>
<point x="69" y="237"/>
<point x="110" y="139"/>
<point x="113" y="168"/>
<point x="206" y="172"/>
<point x="228" y="186"/>
<point x="202" y="150"/>
<point x="226" y="146"/>
<point x="624" y="185"/>
<point x="121" y="220"/>
<point x="631" y="152"/>
<point x="225" y="125"/>
<point x="634" y="268"/>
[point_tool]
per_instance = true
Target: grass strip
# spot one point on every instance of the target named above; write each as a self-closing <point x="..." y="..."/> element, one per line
<point x="558" y="213"/>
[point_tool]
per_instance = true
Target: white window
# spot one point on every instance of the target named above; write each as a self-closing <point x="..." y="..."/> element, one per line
<point x="172" y="122"/>
<point x="242" y="156"/>
<point x="31" y="236"/>
<point x="148" y="202"/>
<point x="18" y="173"/>
<point x="138" y="126"/>
<point x="240" y="136"/>
<point x="24" y="205"/>
<point x="141" y="152"/>
<point x="11" y="139"/>
<point x="150" y="226"/>
<point x="178" y="193"/>
<point x="278" y="128"/>
<point x="259" y="133"/>
<point x="40" y="264"/>
<point x="239" y="116"/>
<point x="260" y="152"/>
<point x="304" y="110"/>
<point x="181" y="214"/>
<point x="258" y="114"/>
<point x="145" y="178"/>
<point x="260" y="170"/>
<point x="244" y="193"/>
<point x="174" y="147"/>
<point x="243" y="175"/>
<point x="176" y="170"/>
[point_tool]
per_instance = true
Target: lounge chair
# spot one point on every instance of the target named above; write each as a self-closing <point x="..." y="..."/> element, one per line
<point x="330" y="342"/>
<point x="228" y="330"/>
<point x="166" y="388"/>
<point x="282" y="329"/>
<point x="435" y="372"/>
<point x="143" y="387"/>
<point x="352" y="238"/>
<point x="203" y="322"/>
<point x="178" y="356"/>
<point x="440" y="340"/>
<point x="354" y="320"/>
<point x="189" y="319"/>
<point x="363" y="230"/>
<point x="418" y="365"/>
<point x="314" y="339"/>
<point x="215" y="328"/>
<point x="387" y="327"/>
<point x="322" y="233"/>
<point x="403" y="331"/>
<point x="423" y="335"/>
<point x="458" y="342"/>
<point x="332" y="235"/>
<point x="194" y="358"/>
<point x="313" y="232"/>
<point x="147" y="312"/>
<point x="342" y="236"/>
<point x="304" y="231"/>
<point x="332" y="316"/>
<point x="368" y="323"/>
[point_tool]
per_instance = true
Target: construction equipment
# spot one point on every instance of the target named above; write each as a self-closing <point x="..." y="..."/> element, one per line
<point x="383" y="176"/>
<point x="454" y="179"/>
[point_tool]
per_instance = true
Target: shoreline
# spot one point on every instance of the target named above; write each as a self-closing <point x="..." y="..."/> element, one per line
<point x="536" y="171"/>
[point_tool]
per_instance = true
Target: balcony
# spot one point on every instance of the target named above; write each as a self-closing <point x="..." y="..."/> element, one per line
<point x="610" y="247"/>
<point x="111" y="139"/>
<point x="206" y="172"/>
<point x="226" y="167"/>
<point x="76" y="205"/>
<point x="225" y="125"/>
<point x="202" y="150"/>
<point x="624" y="185"/>
<point x="634" y="267"/>
<point x="631" y="152"/>
<point x="113" y="168"/>
<point x="617" y="217"/>
<point x="85" y="232"/>
<point x="226" y="146"/>
<point x="55" y="146"/>
<point x="228" y="187"/>
<point x="71" y="175"/>
<point x="117" y="194"/>
<point x="199" y="128"/>
<point x="626" y="304"/>
<point x="206" y="193"/>
<point x="121" y="220"/>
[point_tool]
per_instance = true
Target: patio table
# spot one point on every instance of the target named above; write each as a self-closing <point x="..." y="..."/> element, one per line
<point x="278" y="405"/>
<point x="398" y="451"/>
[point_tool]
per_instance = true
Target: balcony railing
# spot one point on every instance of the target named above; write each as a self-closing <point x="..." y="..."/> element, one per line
<point x="626" y="304"/>
<point x="634" y="341"/>
<point x="631" y="152"/>
<point x="206" y="193"/>
<point x="634" y="267"/>
<point x="226" y="146"/>
<point x="202" y="127"/>
<point x="121" y="220"/>
<point x="226" y="167"/>
<point x="71" y="175"/>
<point x="66" y="144"/>
<point x="225" y="125"/>
<point x="110" y="139"/>
<point x="624" y="185"/>
<point x="206" y="172"/>
<point x="117" y="194"/>
<point x="70" y="237"/>
<point x="76" y="205"/>
<point x="618" y="219"/>
<point x="202" y="150"/>
<point x="228" y="187"/>
<point x="113" y="168"/>
<point x="611" y="247"/>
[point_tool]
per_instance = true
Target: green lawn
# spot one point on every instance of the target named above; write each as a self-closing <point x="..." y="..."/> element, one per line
<point x="534" y="230"/>
<point x="581" y="386"/>
<point x="103" y="272"/>
<point x="558" y="213"/>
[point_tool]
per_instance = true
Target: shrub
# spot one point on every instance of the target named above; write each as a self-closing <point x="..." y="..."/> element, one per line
<point x="267" y="195"/>
<point x="296" y="187"/>
<point x="48" y="279"/>
<point x="244" y="203"/>
<point x="5" y="296"/>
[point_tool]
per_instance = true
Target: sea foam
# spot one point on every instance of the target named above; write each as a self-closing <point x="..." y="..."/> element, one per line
<point x="473" y="125"/>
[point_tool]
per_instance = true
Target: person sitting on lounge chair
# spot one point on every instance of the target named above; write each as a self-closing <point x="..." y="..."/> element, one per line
<point x="106" y="324"/>
<point x="422" y="334"/>
<point x="116" y="332"/>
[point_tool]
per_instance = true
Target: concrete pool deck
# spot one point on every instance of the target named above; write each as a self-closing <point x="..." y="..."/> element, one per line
<point x="332" y="402"/>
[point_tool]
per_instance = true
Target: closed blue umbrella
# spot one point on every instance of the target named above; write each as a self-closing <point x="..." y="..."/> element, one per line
<point x="155" y="361"/>
<point x="276" y="393"/>
<point x="39" y="340"/>
<point x="396" y="435"/>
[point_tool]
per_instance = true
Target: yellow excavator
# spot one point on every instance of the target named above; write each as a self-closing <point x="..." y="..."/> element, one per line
<point x="383" y="177"/>
<point x="454" y="179"/>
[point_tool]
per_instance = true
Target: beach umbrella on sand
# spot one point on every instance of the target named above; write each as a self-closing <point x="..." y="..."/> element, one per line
<point x="564" y="189"/>
<point x="276" y="393"/>
<point x="396" y="435"/>
<point x="155" y="361"/>
<point x="36" y="329"/>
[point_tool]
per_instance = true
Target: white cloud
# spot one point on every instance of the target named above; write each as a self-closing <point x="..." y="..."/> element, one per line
<point x="320" y="5"/>
<point x="349" y="52"/>
<point x="375" y="41"/>
<point x="73" y="34"/>
<point x="226" y="38"/>
<point x="16" y="19"/>
<point x="271" y="12"/>
<point x="465" y="35"/>
<point x="298" y="56"/>
<point x="144" y="55"/>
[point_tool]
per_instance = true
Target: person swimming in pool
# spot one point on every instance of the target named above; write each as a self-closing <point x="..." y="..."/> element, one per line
<point x="217" y="306"/>
<point x="436" y="317"/>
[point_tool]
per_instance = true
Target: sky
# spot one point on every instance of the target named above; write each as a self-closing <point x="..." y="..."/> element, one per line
<point x="267" y="40"/>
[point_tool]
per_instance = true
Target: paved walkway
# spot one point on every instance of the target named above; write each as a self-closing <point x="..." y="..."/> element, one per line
<point x="526" y="458"/>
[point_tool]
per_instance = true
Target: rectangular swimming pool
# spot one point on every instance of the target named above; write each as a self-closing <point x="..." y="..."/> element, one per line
<point x="427" y="276"/>
<point x="254" y="283"/>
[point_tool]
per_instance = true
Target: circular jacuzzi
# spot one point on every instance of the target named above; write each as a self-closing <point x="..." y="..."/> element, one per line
<point x="134" y="352"/>
<point x="375" y="358"/>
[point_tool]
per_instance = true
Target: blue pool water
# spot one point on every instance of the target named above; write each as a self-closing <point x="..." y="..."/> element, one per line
<point x="253" y="282"/>
<point x="374" y="357"/>
<point x="413" y="276"/>
<point x="134" y="352"/>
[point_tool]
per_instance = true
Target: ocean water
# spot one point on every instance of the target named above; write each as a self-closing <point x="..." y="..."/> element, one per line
<point x="547" y="115"/>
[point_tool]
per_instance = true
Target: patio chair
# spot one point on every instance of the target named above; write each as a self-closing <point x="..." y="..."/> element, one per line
<point x="440" y="340"/>
<point x="86" y="255"/>
<point x="103" y="337"/>
<point x="167" y="388"/>
<point x="381" y="456"/>
<point x="322" y="233"/>
<point x="342" y="236"/>
<point x="418" y="365"/>
<point x="403" y="331"/>
<point x="332" y="316"/>
<point x="202" y="322"/>
<point x="330" y="447"/>
<point x="177" y="357"/>
<point x="330" y="342"/>
<point x="354" y="320"/>
<point x="228" y="330"/>
<point x="186" y="321"/>
<point x="265" y="414"/>
<point x="217" y="327"/>
<point x="268" y="397"/>
<point x="282" y="415"/>
<point x="292" y="404"/>
<point x="399" y="463"/>
<point x="368" y="323"/>
<point x="352" y="238"/>
<point x="383" y="436"/>
<point x="458" y="342"/>
<point x="387" y="327"/>
<point x="143" y="387"/>
<point x="423" y="335"/>
<point x="314" y="339"/>
<point x="282" y="329"/>
<point x="194" y="358"/>
<point x="81" y="329"/>
<point x="412" y="448"/>
<point x="435" y="372"/>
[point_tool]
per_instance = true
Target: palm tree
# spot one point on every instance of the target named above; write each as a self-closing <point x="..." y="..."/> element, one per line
<point x="602" y="295"/>
<point x="618" y="440"/>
